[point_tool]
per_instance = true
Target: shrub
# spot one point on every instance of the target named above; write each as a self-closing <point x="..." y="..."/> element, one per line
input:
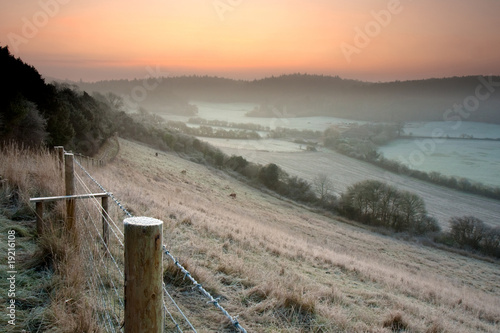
<point x="236" y="163"/>
<point x="376" y="203"/>
<point x="269" y="175"/>
<point x="426" y="224"/>
<point x="298" y="189"/>
<point x="490" y="243"/>
<point x="467" y="231"/>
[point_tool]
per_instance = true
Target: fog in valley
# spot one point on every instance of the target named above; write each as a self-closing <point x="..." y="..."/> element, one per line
<point x="445" y="128"/>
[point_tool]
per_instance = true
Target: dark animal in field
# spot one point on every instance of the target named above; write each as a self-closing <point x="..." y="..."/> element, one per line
<point x="233" y="195"/>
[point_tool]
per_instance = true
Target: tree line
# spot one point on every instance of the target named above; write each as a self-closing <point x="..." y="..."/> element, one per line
<point x="319" y="95"/>
<point x="35" y="113"/>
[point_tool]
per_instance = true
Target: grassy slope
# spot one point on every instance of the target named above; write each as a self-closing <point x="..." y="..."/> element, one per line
<point x="441" y="202"/>
<point x="284" y="268"/>
<point x="32" y="285"/>
<point x="38" y="282"/>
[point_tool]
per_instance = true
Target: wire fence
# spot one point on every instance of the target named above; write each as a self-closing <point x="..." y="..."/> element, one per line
<point x="102" y="258"/>
<point x="102" y="254"/>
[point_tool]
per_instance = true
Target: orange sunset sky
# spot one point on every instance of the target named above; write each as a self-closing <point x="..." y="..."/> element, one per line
<point x="362" y="39"/>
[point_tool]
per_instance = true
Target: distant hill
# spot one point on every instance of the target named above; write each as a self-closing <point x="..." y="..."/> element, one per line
<point x="315" y="95"/>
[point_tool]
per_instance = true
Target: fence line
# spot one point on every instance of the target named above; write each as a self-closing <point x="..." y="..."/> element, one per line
<point x="107" y="216"/>
<point x="118" y="235"/>
<point x="103" y="189"/>
<point x="102" y="259"/>
<point x="212" y="300"/>
<point x="105" y="259"/>
<point x="178" y="309"/>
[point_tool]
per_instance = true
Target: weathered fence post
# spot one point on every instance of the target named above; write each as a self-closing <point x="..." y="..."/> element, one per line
<point x="69" y="180"/>
<point x="143" y="275"/>
<point x="39" y="218"/>
<point x="105" y="226"/>
<point x="60" y="156"/>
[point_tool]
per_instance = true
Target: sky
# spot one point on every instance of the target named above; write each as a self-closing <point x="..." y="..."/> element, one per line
<point x="370" y="40"/>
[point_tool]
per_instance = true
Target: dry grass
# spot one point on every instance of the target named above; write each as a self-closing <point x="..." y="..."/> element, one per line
<point x="70" y="310"/>
<point x="59" y="302"/>
<point x="29" y="173"/>
<point x="395" y="322"/>
<point x="283" y="268"/>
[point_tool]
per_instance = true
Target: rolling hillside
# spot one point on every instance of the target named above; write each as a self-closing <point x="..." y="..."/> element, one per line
<point x="283" y="268"/>
<point x="442" y="203"/>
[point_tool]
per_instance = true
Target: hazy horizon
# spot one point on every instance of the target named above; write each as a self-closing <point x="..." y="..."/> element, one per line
<point x="264" y="76"/>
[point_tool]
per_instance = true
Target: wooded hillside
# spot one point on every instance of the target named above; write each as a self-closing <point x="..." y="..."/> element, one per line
<point x="317" y="95"/>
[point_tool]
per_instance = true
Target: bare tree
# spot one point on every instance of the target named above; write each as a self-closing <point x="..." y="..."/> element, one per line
<point x="411" y="208"/>
<point x="323" y="185"/>
<point x="114" y="101"/>
<point x="467" y="231"/>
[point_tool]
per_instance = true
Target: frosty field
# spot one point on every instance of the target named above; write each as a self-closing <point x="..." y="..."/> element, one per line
<point x="344" y="171"/>
<point x="476" y="160"/>
<point x="235" y="113"/>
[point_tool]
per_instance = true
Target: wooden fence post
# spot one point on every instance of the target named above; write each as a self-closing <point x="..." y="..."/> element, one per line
<point x="69" y="180"/>
<point x="143" y="275"/>
<point x="105" y="226"/>
<point x="60" y="156"/>
<point x="39" y="218"/>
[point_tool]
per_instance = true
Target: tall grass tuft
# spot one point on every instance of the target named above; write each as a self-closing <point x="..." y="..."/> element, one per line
<point x="395" y="322"/>
<point x="26" y="173"/>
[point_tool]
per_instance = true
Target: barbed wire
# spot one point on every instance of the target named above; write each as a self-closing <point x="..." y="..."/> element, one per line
<point x="121" y="241"/>
<point x="102" y="188"/>
<point x="197" y="285"/>
<point x="105" y="275"/>
<point x="177" y="326"/>
<point x="114" y="226"/>
<point x="108" y="250"/>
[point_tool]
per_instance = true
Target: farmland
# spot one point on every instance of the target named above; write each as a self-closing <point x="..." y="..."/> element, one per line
<point x="344" y="171"/>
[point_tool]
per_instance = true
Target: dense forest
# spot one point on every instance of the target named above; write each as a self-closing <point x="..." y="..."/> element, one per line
<point x="35" y="113"/>
<point x="471" y="98"/>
